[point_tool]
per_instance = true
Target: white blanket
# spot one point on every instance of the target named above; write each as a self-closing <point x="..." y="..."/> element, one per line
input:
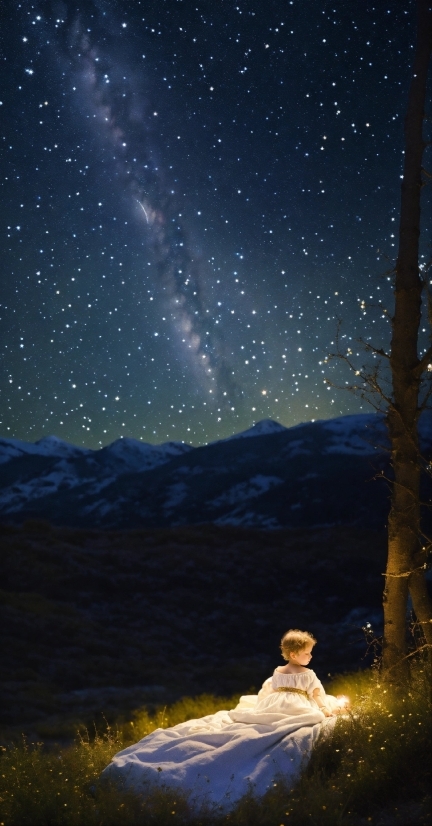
<point x="220" y="757"/>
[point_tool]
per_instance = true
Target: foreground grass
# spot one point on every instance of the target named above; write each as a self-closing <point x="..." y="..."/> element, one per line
<point x="377" y="759"/>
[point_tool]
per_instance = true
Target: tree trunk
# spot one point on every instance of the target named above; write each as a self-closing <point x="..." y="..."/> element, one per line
<point x="405" y="552"/>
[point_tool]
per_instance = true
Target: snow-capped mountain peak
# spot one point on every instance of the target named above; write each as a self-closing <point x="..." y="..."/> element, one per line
<point x="47" y="446"/>
<point x="142" y="455"/>
<point x="262" y="428"/>
<point x="53" y="446"/>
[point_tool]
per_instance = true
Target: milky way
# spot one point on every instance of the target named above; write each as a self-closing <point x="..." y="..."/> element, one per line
<point x="195" y="195"/>
<point x="115" y="94"/>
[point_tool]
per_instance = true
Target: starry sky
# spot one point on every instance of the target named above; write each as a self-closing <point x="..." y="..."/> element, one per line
<point x="195" y="194"/>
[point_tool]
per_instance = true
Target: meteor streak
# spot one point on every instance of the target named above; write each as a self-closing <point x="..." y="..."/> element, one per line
<point x="144" y="211"/>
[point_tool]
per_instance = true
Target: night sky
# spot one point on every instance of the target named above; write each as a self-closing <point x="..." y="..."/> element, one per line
<point x="193" y="193"/>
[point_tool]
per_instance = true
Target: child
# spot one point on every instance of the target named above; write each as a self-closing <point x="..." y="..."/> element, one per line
<point x="225" y="755"/>
<point x="299" y="681"/>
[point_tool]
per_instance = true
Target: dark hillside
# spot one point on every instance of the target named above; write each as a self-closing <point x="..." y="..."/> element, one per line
<point x="98" y="622"/>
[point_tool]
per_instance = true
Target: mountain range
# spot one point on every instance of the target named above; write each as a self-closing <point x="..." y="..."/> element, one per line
<point x="321" y="473"/>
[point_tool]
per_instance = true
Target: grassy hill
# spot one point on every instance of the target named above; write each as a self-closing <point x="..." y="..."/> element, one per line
<point x="374" y="770"/>
<point x="113" y="634"/>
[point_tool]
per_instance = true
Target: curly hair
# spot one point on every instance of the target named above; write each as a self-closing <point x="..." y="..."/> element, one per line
<point x="294" y="641"/>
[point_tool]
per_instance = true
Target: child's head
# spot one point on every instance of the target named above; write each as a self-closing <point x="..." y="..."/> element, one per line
<point x="294" y="641"/>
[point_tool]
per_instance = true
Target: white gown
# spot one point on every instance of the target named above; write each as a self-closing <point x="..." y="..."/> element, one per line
<point x="220" y="757"/>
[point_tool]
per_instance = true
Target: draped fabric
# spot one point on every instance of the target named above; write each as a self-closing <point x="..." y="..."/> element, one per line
<point x="220" y="757"/>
